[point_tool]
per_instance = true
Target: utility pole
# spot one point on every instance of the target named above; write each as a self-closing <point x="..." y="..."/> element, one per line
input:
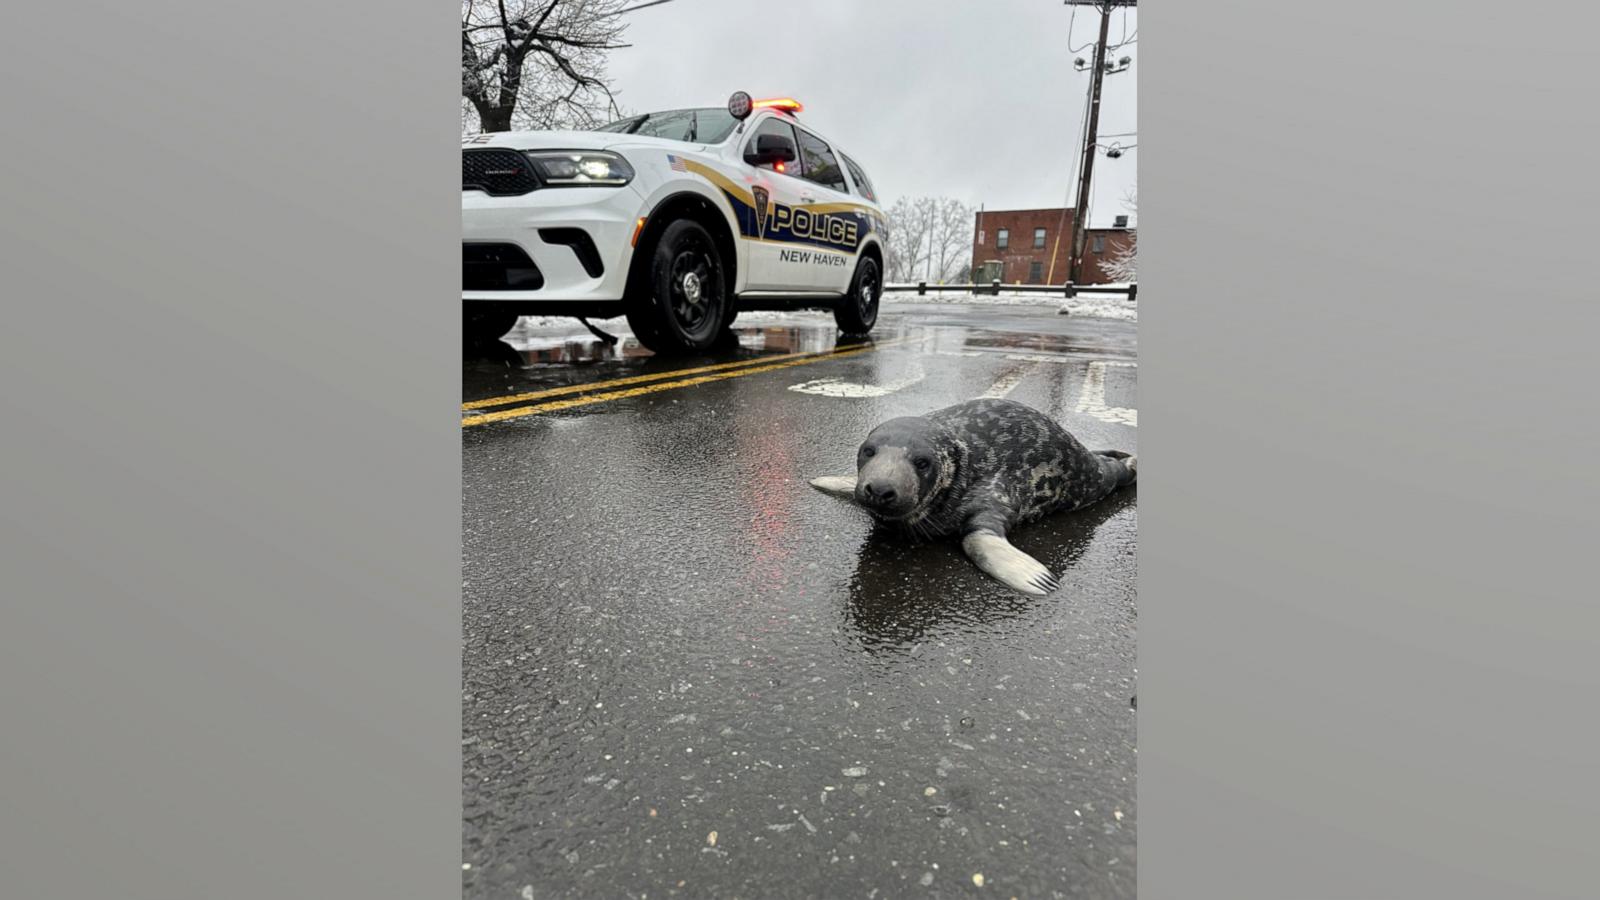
<point x="1080" y="213"/>
<point x="972" y="273"/>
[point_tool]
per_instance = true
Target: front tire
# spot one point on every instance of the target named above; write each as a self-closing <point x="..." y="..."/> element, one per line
<point x="857" y="312"/>
<point x="682" y="304"/>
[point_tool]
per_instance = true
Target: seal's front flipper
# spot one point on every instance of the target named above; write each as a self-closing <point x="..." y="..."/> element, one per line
<point x="1130" y="465"/>
<point x="837" y="485"/>
<point x="1017" y="570"/>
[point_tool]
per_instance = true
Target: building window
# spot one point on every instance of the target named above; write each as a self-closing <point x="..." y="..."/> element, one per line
<point x="1002" y="237"/>
<point x="1099" y="243"/>
<point x="1035" y="272"/>
<point x="1038" y="238"/>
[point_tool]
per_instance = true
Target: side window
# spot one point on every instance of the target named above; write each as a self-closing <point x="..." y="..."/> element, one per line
<point x="1002" y="238"/>
<point x="821" y="165"/>
<point x="776" y="126"/>
<point x="863" y="186"/>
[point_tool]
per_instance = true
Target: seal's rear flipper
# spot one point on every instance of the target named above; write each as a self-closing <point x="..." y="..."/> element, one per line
<point x="1017" y="570"/>
<point x="837" y="485"/>
<point x="1129" y="462"/>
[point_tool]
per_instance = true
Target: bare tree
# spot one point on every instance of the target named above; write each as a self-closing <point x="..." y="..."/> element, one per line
<point x="930" y="238"/>
<point x="910" y="220"/>
<point x="1123" y="266"/>
<point x="537" y="63"/>
<point x="951" y="240"/>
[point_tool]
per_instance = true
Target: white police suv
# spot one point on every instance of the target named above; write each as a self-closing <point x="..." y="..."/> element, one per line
<point x="677" y="220"/>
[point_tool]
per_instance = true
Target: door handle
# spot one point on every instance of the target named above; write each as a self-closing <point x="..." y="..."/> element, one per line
<point x="807" y="198"/>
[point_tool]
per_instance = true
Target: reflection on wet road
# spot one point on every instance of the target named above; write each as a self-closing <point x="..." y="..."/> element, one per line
<point x="668" y="633"/>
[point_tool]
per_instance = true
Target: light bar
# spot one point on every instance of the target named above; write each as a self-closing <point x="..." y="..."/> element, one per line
<point x="787" y="104"/>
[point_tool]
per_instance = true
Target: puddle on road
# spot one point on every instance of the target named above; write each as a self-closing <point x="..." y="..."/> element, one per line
<point x="534" y="359"/>
<point x="1042" y="344"/>
<point x="902" y="593"/>
<point x="575" y="346"/>
<point x="541" y="347"/>
<point x="569" y="357"/>
<point x="668" y="635"/>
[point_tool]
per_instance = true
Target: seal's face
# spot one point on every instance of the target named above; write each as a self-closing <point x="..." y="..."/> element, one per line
<point x="899" y="468"/>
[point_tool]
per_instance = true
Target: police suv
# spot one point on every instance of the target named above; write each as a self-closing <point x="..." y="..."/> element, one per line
<point x="677" y="220"/>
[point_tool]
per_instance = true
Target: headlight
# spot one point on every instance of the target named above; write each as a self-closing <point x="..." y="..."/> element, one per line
<point x="580" y="167"/>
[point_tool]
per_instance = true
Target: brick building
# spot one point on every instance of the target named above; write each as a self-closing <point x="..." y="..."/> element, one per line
<point x="1032" y="246"/>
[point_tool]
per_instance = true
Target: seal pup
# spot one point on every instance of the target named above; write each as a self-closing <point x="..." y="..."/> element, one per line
<point x="979" y="469"/>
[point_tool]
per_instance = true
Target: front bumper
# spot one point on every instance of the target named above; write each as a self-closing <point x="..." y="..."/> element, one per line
<point x="606" y="214"/>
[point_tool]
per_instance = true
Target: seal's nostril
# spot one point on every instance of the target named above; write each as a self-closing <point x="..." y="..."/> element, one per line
<point x="877" y="495"/>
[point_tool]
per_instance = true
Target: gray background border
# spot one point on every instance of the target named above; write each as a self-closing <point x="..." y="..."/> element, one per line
<point x="1367" y="487"/>
<point x="231" y="538"/>
<point x="229" y="662"/>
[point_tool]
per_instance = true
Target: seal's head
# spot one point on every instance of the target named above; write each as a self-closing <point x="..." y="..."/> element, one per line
<point x="902" y="467"/>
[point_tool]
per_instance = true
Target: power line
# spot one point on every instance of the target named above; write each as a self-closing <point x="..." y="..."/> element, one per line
<point x="1070" y="21"/>
<point x="1125" y="40"/>
<point x="641" y="6"/>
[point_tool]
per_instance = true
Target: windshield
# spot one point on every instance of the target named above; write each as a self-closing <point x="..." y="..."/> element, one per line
<point x="709" y="125"/>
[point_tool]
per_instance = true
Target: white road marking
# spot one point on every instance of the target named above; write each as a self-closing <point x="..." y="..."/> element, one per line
<point x="1007" y="382"/>
<point x="833" y="387"/>
<point x="1093" y="398"/>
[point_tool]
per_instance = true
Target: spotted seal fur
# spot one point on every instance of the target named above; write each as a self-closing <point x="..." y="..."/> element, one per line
<point x="979" y="469"/>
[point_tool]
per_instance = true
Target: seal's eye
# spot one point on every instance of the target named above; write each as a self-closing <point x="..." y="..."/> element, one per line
<point x="923" y="464"/>
<point x="867" y="452"/>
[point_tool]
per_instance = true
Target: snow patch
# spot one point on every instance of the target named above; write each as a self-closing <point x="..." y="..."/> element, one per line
<point x="1102" y="306"/>
<point x="618" y="326"/>
<point x="774" y="315"/>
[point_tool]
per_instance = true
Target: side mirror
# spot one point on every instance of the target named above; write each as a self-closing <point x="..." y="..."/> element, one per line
<point x="769" y="149"/>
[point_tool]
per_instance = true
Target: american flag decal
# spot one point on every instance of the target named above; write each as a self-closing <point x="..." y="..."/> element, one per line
<point x="676" y="162"/>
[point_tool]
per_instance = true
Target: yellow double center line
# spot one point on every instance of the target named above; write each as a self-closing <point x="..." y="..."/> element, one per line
<point x="740" y="369"/>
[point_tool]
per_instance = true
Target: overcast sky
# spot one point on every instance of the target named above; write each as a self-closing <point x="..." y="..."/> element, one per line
<point x="975" y="100"/>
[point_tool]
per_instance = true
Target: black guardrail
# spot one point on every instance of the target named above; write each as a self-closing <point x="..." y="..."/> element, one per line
<point x="994" y="287"/>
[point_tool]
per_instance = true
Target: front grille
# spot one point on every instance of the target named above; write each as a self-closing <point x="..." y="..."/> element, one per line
<point x="501" y="173"/>
<point x="498" y="267"/>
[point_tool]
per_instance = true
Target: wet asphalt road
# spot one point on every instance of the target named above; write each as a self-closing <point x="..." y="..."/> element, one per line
<point x="687" y="673"/>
